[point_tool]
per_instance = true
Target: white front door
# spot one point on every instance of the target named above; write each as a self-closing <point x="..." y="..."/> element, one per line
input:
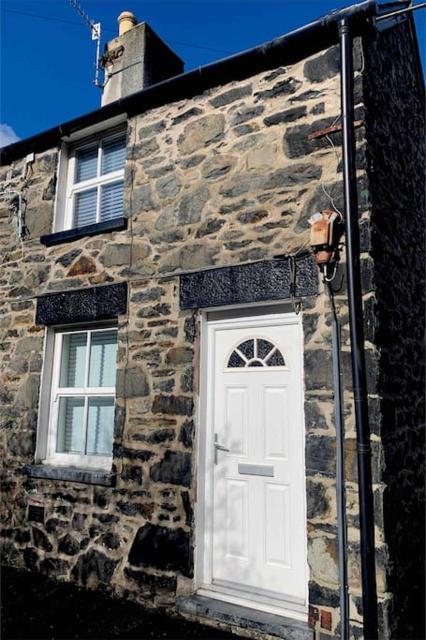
<point x="256" y="531"/>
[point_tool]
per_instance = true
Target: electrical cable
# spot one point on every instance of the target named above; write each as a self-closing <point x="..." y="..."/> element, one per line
<point x="361" y="71"/>
<point x="34" y="15"/>
<point x="330" y="141"/>
<point x="78" y="24"/>
<point x="326" y="277"/>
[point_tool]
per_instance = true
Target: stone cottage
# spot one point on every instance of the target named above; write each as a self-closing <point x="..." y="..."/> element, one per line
<point x="166" y="365"/>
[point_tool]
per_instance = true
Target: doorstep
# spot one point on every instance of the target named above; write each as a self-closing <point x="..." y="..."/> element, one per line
<point x="244" y="618"/>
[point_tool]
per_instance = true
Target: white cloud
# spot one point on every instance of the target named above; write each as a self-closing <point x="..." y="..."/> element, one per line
<point x="7" y="135"/>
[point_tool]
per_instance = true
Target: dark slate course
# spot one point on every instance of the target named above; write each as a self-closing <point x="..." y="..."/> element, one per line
<point x="35" y="513"/>
<point x="84" y="305"/>
<point x="162" y="548"/>
<point x="94" y="566"/>
<point x="322" y="596"/>
<point x="174" y="468"/>
<point x="256" y="282"/>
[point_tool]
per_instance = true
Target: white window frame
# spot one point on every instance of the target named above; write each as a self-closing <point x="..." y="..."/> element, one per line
<point x="73" y="188"/>
<point x="51" y="392"/>
<point x="63" y="214"/>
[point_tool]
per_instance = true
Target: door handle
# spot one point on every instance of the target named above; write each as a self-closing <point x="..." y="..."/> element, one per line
<point x="218" y="447"/>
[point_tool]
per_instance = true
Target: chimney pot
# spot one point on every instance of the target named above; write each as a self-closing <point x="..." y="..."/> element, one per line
<point x="126" y="21"/>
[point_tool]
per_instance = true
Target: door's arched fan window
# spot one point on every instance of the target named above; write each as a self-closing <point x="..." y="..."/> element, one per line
<point x="255" y="352"/>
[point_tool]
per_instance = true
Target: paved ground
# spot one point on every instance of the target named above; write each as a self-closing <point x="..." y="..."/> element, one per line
<point x="34" y="607"/>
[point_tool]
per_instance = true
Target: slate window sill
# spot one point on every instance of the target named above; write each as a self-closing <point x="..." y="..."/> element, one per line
<point x="84" y="476"/>
<point x="61" y="237"/>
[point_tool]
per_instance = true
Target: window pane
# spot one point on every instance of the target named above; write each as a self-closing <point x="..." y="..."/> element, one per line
<point x="263" y="348"/>
<point x="86" y="164"/>
<point x="102" y="359"/>
<point x="236" y="360"/>
<point x="73" y="360"/>
<point x="112" y="201"/>
<point x="100" y="426"/>
<point x="276" y="360"/>
<point x="247" y="348"/>
<point x="85" y="207"/>
<point x="113" y="154"/>
<point x="70" y="438"/>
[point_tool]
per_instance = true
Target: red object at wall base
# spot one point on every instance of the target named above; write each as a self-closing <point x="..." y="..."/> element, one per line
<point x="326" y="620"/>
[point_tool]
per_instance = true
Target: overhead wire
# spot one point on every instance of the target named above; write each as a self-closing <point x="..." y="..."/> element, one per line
<point x="79" y="24"/>
<point x="35" y="15"/>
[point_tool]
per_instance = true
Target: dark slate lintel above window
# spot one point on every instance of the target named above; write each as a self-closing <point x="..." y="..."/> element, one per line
<point x="83" y="305"/>
<point x="255" y="282"/>
<point x="84" y="476"/>
<point x="60" y="237"/>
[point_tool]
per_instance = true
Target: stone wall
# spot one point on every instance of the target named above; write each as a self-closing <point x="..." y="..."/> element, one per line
<point x="226" y="178"/>
<point x="394" y="98"/>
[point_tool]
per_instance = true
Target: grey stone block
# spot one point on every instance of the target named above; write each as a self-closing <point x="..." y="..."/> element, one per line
<point x="230" y="96"/>
<point x="282" y="88"/>
<point x="201" y="132"/>
<point x="285" y="116"/>
<point x="174" y="468"/>
<point x="324" y="66"/>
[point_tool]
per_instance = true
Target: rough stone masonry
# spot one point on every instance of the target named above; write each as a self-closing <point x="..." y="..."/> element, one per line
<point x="225" y="178"/>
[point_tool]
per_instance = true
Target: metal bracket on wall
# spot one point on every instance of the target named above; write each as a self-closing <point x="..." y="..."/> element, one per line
<point x="336" y="128"/>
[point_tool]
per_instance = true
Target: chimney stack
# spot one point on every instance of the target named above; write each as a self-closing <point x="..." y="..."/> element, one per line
<point x="136" y="59"/>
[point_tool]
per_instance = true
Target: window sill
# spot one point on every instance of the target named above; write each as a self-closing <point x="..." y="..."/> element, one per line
<point x="84" y="476"/>
<point x="60" y="237"/>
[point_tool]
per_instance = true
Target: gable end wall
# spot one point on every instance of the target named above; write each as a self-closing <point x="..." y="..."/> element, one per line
<point x="395" y="133"/>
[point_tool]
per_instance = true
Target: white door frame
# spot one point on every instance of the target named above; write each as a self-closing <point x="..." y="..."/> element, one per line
<point x="235" y="316"/>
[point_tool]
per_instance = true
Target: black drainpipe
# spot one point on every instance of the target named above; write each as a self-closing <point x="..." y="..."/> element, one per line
<point x="342" y="537"/>
<point x="366" y="511"/>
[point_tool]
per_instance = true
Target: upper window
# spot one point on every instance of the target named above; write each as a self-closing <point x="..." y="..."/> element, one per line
<point x="255" y="352"/>
<point x="95" y="182"/>
<point x="82" y="394"/>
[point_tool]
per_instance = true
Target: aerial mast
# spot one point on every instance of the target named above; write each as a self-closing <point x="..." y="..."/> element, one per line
<point x="95" y="30"/>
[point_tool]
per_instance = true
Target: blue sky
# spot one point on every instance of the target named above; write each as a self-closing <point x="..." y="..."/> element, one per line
<point x="47" y="55"/>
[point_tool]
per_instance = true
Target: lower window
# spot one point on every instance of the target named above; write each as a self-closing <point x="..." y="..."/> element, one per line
<point x="82" y="395"/>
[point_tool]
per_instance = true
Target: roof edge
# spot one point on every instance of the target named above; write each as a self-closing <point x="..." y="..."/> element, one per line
<point x="287" y="49"/>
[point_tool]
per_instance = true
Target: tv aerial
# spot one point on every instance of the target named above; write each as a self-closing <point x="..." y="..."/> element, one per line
<point x="95" y="30"/>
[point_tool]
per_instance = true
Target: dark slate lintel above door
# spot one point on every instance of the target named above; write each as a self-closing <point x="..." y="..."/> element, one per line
<point x="256" y="282"/>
